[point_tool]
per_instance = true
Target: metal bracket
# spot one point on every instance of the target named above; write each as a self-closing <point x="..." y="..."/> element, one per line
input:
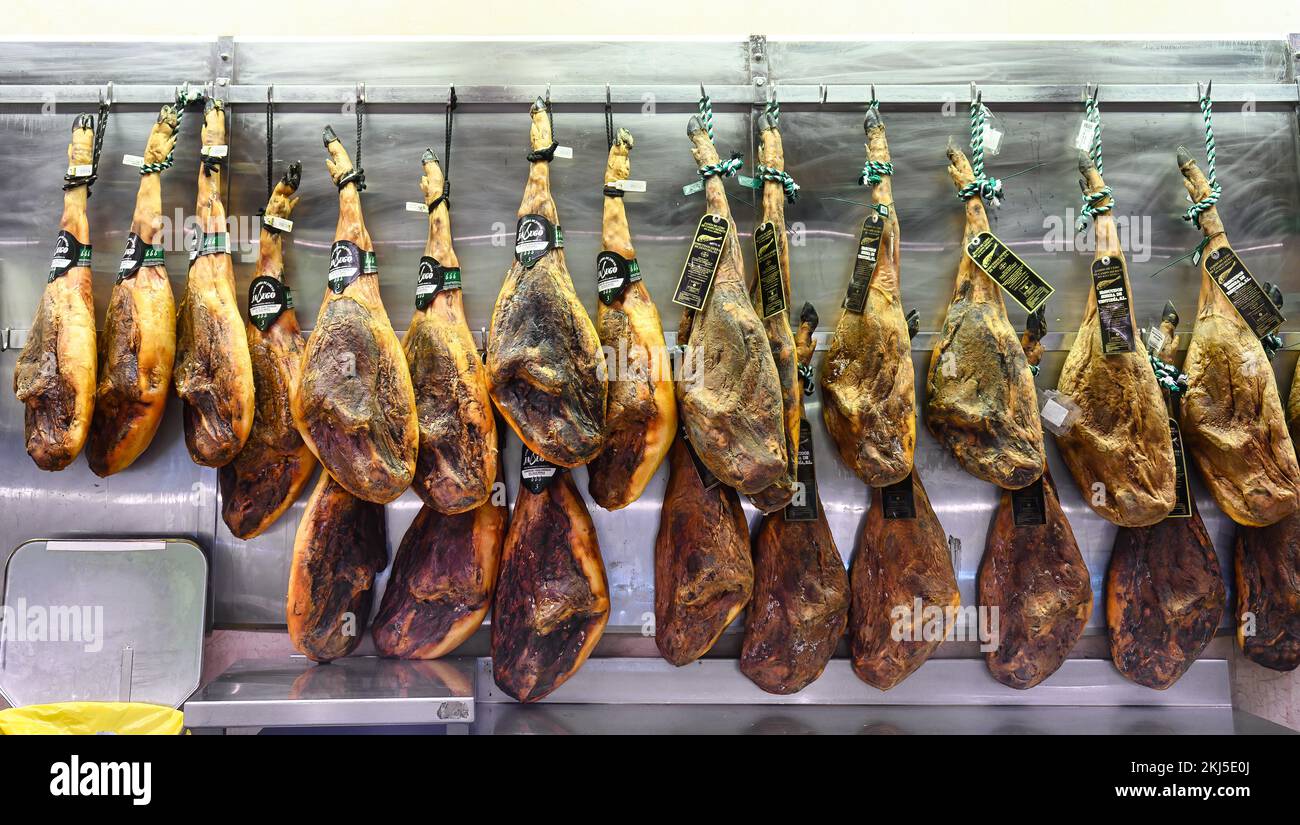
<point x="223" y="67"/>
<point x="760" y="73"/>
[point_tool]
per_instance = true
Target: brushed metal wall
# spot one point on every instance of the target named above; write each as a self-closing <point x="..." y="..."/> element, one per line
<point x="165" y="494"/>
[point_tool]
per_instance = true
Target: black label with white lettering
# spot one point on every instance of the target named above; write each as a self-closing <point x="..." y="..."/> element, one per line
<point x="701" y="265"/>
<point x="1010" y="272"/>
<point x="267" y="300"/>
<point x="137" y="254"/>
<point x="535" y="472"/>
<point x="707" y="479"/>
<point x="898" y="500"/>
<point x="1113" y="306"/>
<point x="534" y="237"/>
<point x="804" y="505"/>
<point x="614" y="274"/>
<point x="1255" y="307"/>
<point x="1029" y="505"/>
<point x="345" y="265"/>
<point x="433" y="278"/>
<point x="771" y="281"/>
<point x="1183" y="506"/>
<point x="68" y="253"/>
<point x="864" y="265"/>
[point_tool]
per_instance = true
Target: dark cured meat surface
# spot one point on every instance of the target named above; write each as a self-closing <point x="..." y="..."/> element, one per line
<point x="703" y="571"/>
<point x="1267" y="565"/>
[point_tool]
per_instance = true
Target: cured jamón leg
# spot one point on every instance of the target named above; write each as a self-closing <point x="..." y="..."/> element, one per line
<point x="642" y="414"/>
<point x="730" y="391"/>
<point x="980" y="400"/>
<point x="213" y="372"/>
<point x="868" y="384"/>
<point x="1035" y="577"/>
<point x="1164" y="592"/>
<point x="355" y="406"/>
<point x="552" y="600"/>
<point x="270" y="472"/>
<point x="139" y="344"/>
<point x="55" y="375"/>
<point x="1267" y="571"/>
<point x="801" y="589"/>
<point x="1232" y="416"/>
<point x="340" y="546"/>
<point x="458" y="432"/>
<point x="703" y="571"/>
<point x="543" y="357"/>
<point x="1120" y="439"/>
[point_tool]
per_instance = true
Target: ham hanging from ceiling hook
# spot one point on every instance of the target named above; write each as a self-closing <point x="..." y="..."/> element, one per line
<point x="545" y="367"/>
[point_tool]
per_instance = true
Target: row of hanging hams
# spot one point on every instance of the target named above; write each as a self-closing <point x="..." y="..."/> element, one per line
<point x="381" y="415"/>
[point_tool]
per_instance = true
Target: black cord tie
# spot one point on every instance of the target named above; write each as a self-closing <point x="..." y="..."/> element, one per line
<point x="357" y="175"/>
<point x="614" y="192"/>
<point x="100" y="125"/>
<point x="445" y="197"/>
<point x="548" y="154"/>
<point x="609" y="120"/>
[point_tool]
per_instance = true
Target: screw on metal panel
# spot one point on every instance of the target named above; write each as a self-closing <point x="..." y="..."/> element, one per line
<point x="225" y="56"/>
<point x="221" y="81"/>
<point x="760" y="80"/>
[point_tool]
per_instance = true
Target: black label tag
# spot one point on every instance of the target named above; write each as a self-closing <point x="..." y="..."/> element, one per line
<point x="1183" y="507"/>
<point x="613" y="275"/>
<point x="346" y="263"/>
<point x="68" y="252"/>
<point x="804" y="505"/>
<point x="1113" y="308"/>
<point x="534" y="237"/>
<point x="137" y="254"/>
<point x="432" y="279"/>
<point x="707" y="479"/>
<point x="864" y="265"/>
<point x="268" y="298"/>
<point x="1010" y="272"/>
<point x="771" y="283"/>
<point x="535" y="472"/>
<point x="898" y="500"/>
<point x="696" y="280"/>
<point x="1256" y="309"/>
<point x="1029" y="505"/>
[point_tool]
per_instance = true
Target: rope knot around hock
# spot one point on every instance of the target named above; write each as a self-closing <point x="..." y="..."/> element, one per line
<point x="778" y="176"/>
<point x="990" y="189"/>
<point x="725" y="168"/>
<point x="1194" y="212"/>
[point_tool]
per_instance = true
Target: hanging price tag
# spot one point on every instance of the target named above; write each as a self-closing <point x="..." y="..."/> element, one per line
<point x="565" y="152"/>
<point x="804" y="505"/>
<point x="413" y="206"/>
<point x="535" y="472"/>
<point x="1029" y="505"/>
<point x="1022" y="283"/>
<point x="1183" y="505"/>
<point x="701" y="265"/>
<point x="1255" y="307"/>
<point x="771" y="282"/>
<point x="1113" y="308"/>
<point x="1087" y="135"/>
<point x="864" y="265"/>
<point x="277" y="223"/>
<point x="132" y="160"/>
<point x="627" y="185"/>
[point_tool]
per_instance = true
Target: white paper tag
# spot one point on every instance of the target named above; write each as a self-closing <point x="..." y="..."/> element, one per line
<point x="692" y="188"/>
<point x="217" y="151"/>
<point x="81" y="171"/>
<point x="992" y="140"/>
<point x="1087" y="133"/>
<point x="1054" y="413"/>
<point x="565" y="152"/>
<point x="132" y="160"/>
<point x="412" y="206"/>
<point x="1155" y="341"/>
<point x="628" y="185"/>
<point x="282" y="224"/>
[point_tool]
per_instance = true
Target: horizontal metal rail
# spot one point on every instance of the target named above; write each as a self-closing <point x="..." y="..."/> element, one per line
<point x="792" y="95"/>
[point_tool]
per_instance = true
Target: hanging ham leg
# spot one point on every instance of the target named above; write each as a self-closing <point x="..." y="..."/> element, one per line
<point x="1036" y="579"/>
<point x="703" y="571"/>
<point x="1120" y="439"/>
<point x="458" y="432"/>
<point x="340" y="547"/>
<point x="1164" y="591"/>
<point x="642" y="414"/>
<point x="55" y="375"/>
<point x="139" y="344"/>
<point x="980" y="395"/>
<point x="868" y="392"/>
<point x="730" y="391"/>
<point x="552" y="600"/>
<point x="268" y="475"/>
<point x="355" y="406"/>
<point x="543" y="356"/>
<point x="1267" y="565"/>
<point x="801" y="589"/>
<point x="1232" y="416"/>
<point x="213" y="372"/>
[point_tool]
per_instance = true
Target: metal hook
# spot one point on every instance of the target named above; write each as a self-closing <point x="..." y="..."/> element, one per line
<point x="609" y="104"/>
<point x="1203" y="92"/>
<point x="452" y="101"/>
<point x="270" y="93"/>
<point x="106" y="96"/>
<point x="548" y="95"/>
<point x="361" y="93"/>
<point x="975" y="95"/>
<point x="821" y="93"/>
<point x="873" y="93"/>
<point x="703" y="94"/>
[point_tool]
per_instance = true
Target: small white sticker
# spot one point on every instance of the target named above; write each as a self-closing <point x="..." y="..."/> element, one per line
<point x="992" y="140"/>
<point x="629" y="185"/>
<point x="412" y="206"/>
<point x="1087" y="133"/>
<point x="282" y="224"/>
<point x="1155" y="341"/>
<point x="1054" y="413"/>
<point x="82" y="171"/>
<point x="216" y="151"/>
<point x="132" y="160"/>
<point x="692" y="188"/>
<point x="565" y="152"/>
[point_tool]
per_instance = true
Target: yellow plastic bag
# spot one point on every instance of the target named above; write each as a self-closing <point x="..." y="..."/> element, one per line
<point x="91" y="718"/>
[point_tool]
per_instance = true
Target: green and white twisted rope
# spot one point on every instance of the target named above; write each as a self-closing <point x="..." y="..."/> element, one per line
<point x="725" y="168"/>
<point x="706" y="112"/>
<point x="773" y="110"/>
<point x="1195" y="211"/>
<point x="761" y="172"/>
<point x="990" y="189"/>
<point x="183" y="99"/>
<point x="1168" y="376"/>
<point x="1101" y="201"/>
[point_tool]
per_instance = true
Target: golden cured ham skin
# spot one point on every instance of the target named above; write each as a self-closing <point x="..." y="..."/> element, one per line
<point x="339" y="548"/>
<point x="1121" y="437"/>
<point x="867" y="378"/>
<point x="1232" y="416"/>
<point x="729" y="396"/>
<point x="213" y="372"/>
<point x="269" y="473"/>
<point x="355" y="406"/>
<point x="458" y="432"/>
<point x="641" y="415"/>
<point x="552" y="599"/>
<point x="543" y="356"/>
<point x="980" y="399"/>
<point x="704" y="574"/>
<point x="139" y="344"/>
<point x="55" y="374"/>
